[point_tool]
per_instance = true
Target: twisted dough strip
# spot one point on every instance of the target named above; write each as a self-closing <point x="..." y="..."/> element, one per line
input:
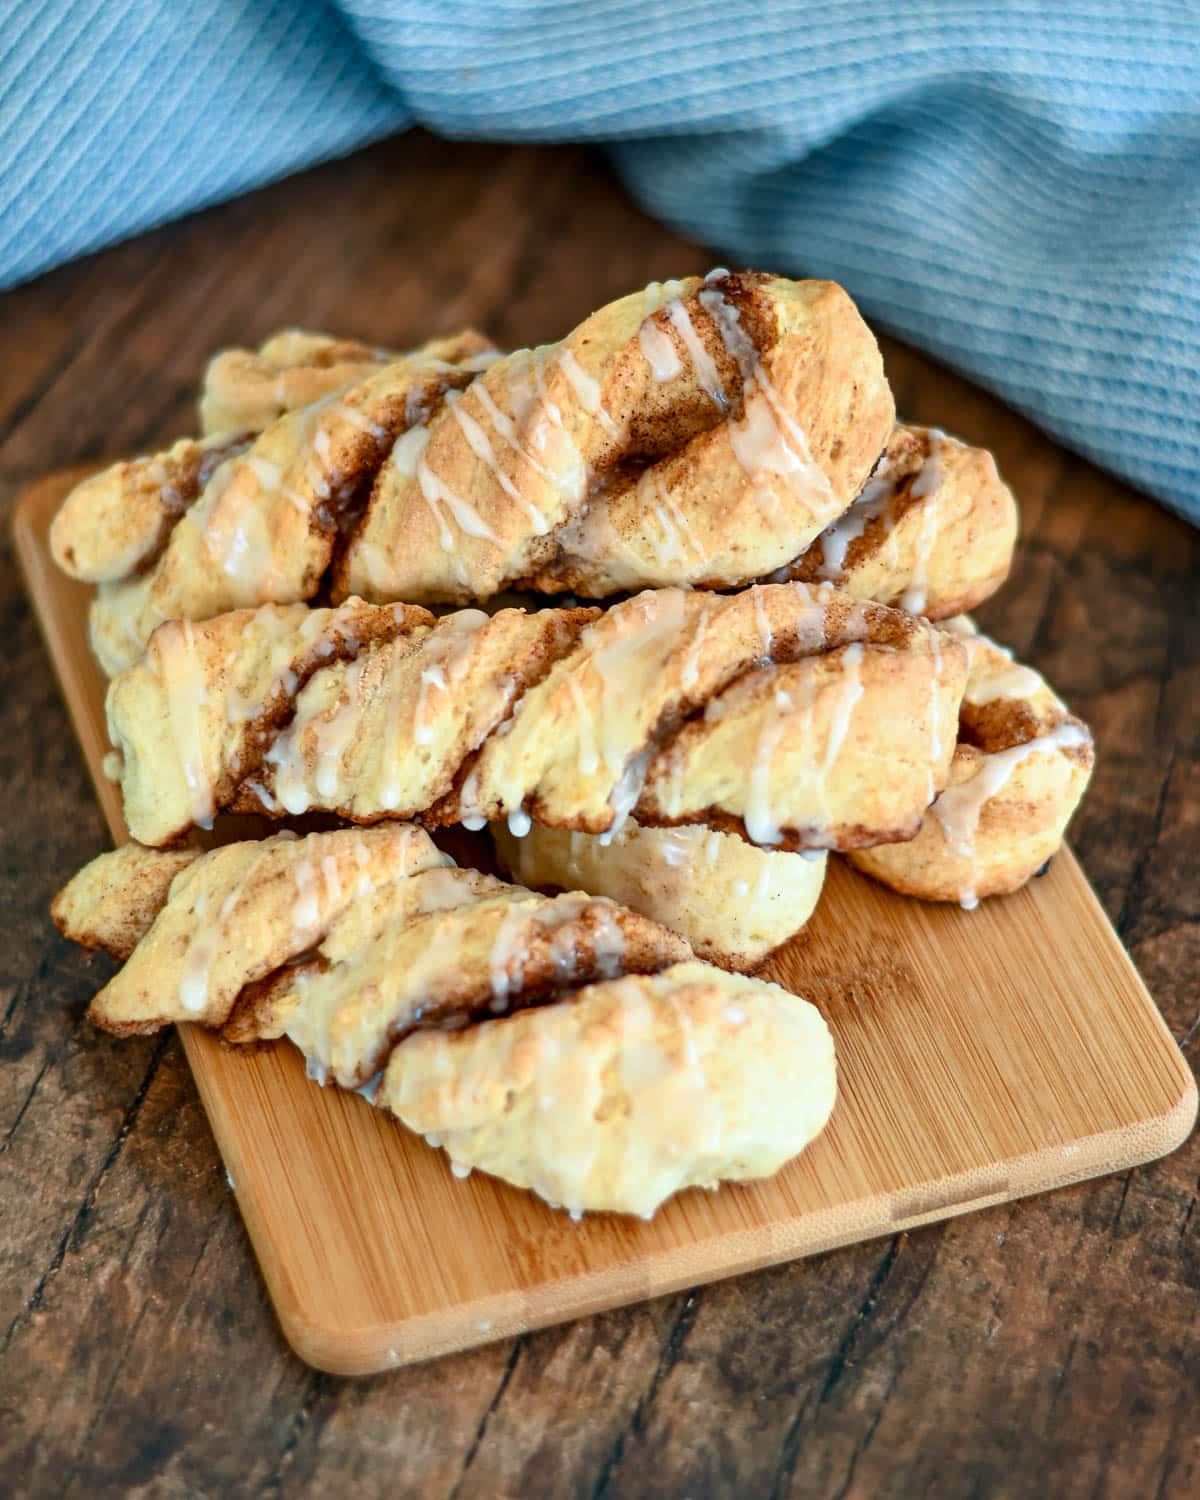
<point x="700" y="432"/>
<point x="933" y="530"/>
<point x="734" y="903"/>
<point x="596" y="1090"/>
<point x="246" y="390"/>
<point x="229" y="521"/>
<point x="769" y="713"/>
<point x="1020" y="768"/>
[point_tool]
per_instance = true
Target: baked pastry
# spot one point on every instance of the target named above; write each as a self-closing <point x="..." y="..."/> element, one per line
<point x="933" y="530"/>
<point x="622" y="1070"/>
<point x="111" y="903"/>
<point x="700" y="432"/>
<point x="635" y="1090"/>
<point x="1020" y="768"/>
<point x="735" y="903"/>
<point x="768" y="712"/>
<point x="227" y="522"/>
<point x="246" y="390"/>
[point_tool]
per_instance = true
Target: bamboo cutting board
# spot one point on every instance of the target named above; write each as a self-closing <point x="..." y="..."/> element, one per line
<point x="982" y="1056"/>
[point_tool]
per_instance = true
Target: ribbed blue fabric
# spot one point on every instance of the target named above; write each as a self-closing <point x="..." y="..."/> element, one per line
<point x="1014" y="186"/>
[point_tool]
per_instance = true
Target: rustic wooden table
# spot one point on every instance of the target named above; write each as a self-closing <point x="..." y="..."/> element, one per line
<point x="1050" y="1347"/>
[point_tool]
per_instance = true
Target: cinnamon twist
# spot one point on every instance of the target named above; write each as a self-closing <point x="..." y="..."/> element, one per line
<point x="699" y="432"/>
<point x="933" y="530"/>
<point x="769" y="713"/>
<point x="1020" y="769"/>
<point x="246" y="390"/>
<point x="621" y="1071"/>
<point x="232" y="521"/>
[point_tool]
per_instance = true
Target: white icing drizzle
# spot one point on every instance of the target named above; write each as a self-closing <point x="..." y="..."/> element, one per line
<point x="332" y="878"/>
<point x="764" y="625"/>
<point x="678" y="845"/>
<point x="702" y="361"/>
<point x="762" y="826"/>
<point x="935" y="713"/>
<point x="874" y="501"/>
<point x="570" y="474"/>
<point x="431" y="677"/>
<point x="664" y="617"/>
<point x="677" y="536"/>
<point x="1017" y="682"/>
<point x="690" y="673"/>
<point x="929" y="480"/>
<point x="505" y="428"/>
<point x="586" y="389"/>
<point x="658" y="293"/>
<point x="924" y="487"/>
<point x="442" y="500"/>
<point x="588" y="757"/>
<point x="508" y="944"/>
<point x="205" y="944"/>
<point x="659" y="351"/>
<point x="959" y="808"/>
<point x="850" y="691"/>
<point x="451" y="646"/>
<point x="627" y="792"/>
<point x="187" y="694"/>
<point x="478" y="442"/>
<point x="764" y="880"/>
<point x="306" y="910"/>
<point x="470" y="813"/>
<point x="267" y="473"/>
<point x="767" y="439"/>
<point x="359" y="419"/>
<point x="370" y="1089"/>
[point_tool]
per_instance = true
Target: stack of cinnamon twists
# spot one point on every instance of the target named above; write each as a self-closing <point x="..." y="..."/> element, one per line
<point x="659" y="604"/>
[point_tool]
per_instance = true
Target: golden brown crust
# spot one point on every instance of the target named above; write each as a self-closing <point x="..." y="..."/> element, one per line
<point x="701" y="432"/>
<point x="610" y="1067"/>
<point x="247" y="389"/>
<point x="933" y="530"/>
<point x="112" y="902"/>
<point x="769" y="710"/>
<point x="1020" y="768"/>
<point x="637" y="1089"/>
<point x="237" y="914"/>
<point x="734" y="903"/>
<point x="114" y="524"/>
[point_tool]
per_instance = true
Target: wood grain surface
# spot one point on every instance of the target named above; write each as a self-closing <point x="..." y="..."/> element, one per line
<point x="981" y="1056"/>
<point x="1045" y="1347"/>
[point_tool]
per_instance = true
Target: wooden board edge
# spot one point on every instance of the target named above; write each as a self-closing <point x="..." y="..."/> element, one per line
<point x="32" y="562"/>
<point x="375" y="1350"/>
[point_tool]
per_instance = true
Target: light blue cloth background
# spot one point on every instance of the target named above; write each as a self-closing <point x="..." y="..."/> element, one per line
<point x="1013" y="186"/>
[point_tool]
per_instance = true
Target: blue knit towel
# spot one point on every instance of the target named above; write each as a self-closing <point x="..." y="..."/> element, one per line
<point x="1010" y="184"/>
